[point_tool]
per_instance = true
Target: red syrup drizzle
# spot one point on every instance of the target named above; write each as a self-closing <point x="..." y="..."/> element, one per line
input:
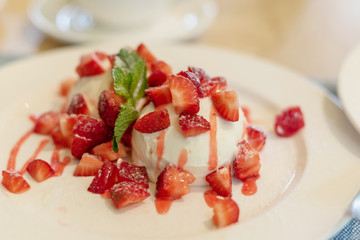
<point x="42" y="144"/>
<point x="213" y="157"/>
<point x="183" y="158"/>
<point x="56" y="163"/>
<point x="160" y="148"/>
<point x="162" y="205"/>
<point x="249" y="186"/>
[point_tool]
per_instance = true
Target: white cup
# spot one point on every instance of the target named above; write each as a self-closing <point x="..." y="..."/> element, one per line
<point x="125" y="13"/>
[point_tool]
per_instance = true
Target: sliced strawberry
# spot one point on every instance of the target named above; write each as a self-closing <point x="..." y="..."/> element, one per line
<point x="105" y="151"/>
<point x="159" y="95"/>
<point x="109" y="106"/>
<point x="227" y="105"/>
<point x="66" y="85"/>
<point x="143" y="51"/>
<point x="226" y="212"/>
<point x="59" y="138"/>
<point x="194" y="79"/>
<point x="126" y="137"/>
<point x="247" y="162"/>
<point x="14" y="182"/>
<point x="208" y="88"/>
<point x="211" y="198"/>
<point x="46" y="122"/>
<point x="131" y="173"/>
<point x="40" y="170"/>
<point x="161" y="66"/>
<point x="193" y="124"/>
<point x="256" y="137"/>
<point x="62" y="133"/>
<point x="93" y="64"/>
<point x="220" y="181"/>
<point x="126" y="193"/>
<point x="204" y="88"/>
<point x="78" y="105"/>
<point x="105" y="178"/>
<point x="153" y="122"/>
<point x="184" y="95"/>
<point x="157" y="78"/>
<point x="221" y="80"/>
<point x="200" y="73"/>
<point x="289" y="121"/>
<point x="88" y="165"/>
<point x="173" y="183"/>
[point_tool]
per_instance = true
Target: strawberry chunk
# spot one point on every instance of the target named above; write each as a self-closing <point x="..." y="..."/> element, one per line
<point x="173" y="183"/>
<point x="109" y="106"/>
<point x="88" y="165"/>
<point x="40" y="170"/>
<point x="47" y="122"/>
<point x="221" y="80"/>
<point x="66" y="85"/>
<point x="194" y="79"/>
<point x="226" y="212"/>
<point x="193" y="124"/>
<point x="153" y="122"/>
<point x="157" y="78"/>
<point x="200" y="73"/>
<point x="62" y="133"/>
<point x="131" y="173"/>
<point x="14" y="182"/>
<point x="105" y="151"/>
<point x="78" y="105"/>
<point x="289" y="121"/>
<point x="105" y="178"/>
<point x="184" y="95"/>
<point x="208" y="88"/>
<point x="161" y="66"/>
<point x="93" y="64"/>
<point x="220" y="181"/>
<point x="227" y="105"/>
<point x="247" y="162"/>
<point x="159" y="95"/>
<point x="126" y="193"/>
<point x="256" y="137"/>
<point x="211" y="198"/>
<point x="143" y="51"/>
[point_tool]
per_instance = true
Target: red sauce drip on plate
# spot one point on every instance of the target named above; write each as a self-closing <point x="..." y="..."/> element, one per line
<point x="160" y="148"/>
<point x="162" y="205"/>
<point x="56" y="163"/>
<point x="41" y="146"/>
<point x="183" y="157"/>
<point x="15" y="150"/>
<point x="213" y="157"/>
<point x="249" y="186"/>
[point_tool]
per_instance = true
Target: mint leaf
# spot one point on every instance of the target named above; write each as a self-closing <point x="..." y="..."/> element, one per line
<point x="121" y="82"/>
<point x="139" y="75"/>
<point x="129" y="59"/>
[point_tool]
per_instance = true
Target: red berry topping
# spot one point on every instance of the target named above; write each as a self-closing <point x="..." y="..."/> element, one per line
<point x="66" y="85"/>
<point x="289" y="121"/>
<point x="193" y="124"/>
<point x="105" y="178"/>
<point x="14" y="182"/>
<point x="227" y="105"/>
<point x="143" y="51"/>
<point x="157" y="78"/>
<point x="109" y="106"/>
<point x="126" y="193"/>
<point x="78" y="105"/>
<point x="161" y="66"/>
<point x="104" y="151"/>
<point x="220" y="181"/>
<point x="200" y="73"/>
<point x="88" y="165"/>
<point x="153" y="122"/>
<point x="221" y="80"/>
<point x="40" y="170"/>
<point x="159" y="95"/>
<point x="47" y="122"/>
<point x="208" y="88"/>
<point x="226" y="212"/>
<point x="93" y="64"/>
<point x="131" y="173"/>
<point x="184" y="95"/>
<point x="256" y="137"/>
<point x="247" y="162"/>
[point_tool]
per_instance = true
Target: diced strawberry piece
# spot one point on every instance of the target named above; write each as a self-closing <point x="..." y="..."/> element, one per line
<point x="66" y="85"/>
<point x="184" y="95"/>
<point x="200" y="73"/>
<point x="221" y="80"/>
<point x="159" y="95"/>
<point x="59" y="138"/>
<point x="46" y="122"/>
<point x="88" y="165"/>
<point x="161" y="66"/>
<point x="227" y="105"/>
<point x="105" y="151"/>
<point x="105" y="178"/>
<point x="194" y="79"/>
<point x="220" y="181"/>
<point x="193" y="124"/>
<point x="211" y="198"/>
<point x="289" y="121"/>
<point x="208" y="88"/>
<point x="131" y="173"/>
<point x="78" y="105"/>
<point x="126" y="137"/>
<point x="40" y="170"/>
<point x="247" y="162"/>
<point x="157" y="78"/>
<point x="126" y="193"/>
<point x="109" y="106"/>
<point x="226" y="212"/>
<point x="143" y="51"/>
<point x="93" y="64"/>
<point x="256" y="137"/>
<point x="153" y="122"/>
<point x="81" y="145"/>
<point x="14" y="182"/>
<point x="62" y="133"/>
<point x="173" y="183"/>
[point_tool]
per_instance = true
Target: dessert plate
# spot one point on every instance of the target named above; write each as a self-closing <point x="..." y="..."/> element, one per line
<point x="349" y="86"/>
<point x="185" y="20"/>
<point x="307" y="181"/>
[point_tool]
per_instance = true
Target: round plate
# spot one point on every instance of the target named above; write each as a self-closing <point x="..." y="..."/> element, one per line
<point x="307" y="181"/>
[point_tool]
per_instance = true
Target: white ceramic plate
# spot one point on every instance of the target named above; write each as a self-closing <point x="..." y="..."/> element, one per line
<point x="185" y="20"/>
<point x="307" y="181"/>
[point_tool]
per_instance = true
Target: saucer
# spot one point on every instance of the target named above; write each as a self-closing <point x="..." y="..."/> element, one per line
<point x="185" y="20"/>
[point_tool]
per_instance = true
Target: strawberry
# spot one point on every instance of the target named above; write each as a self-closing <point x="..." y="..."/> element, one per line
<point x="156" y="78"/>
<point x="109" y="106"/>
<point x="104" y="151"/>
<point x="194" y="79"/>
<point x="173" y="183"/>
<point x="204" y="88"/>
<point x="289" y="121"/>
<point x="40" y="170"/>
<point x="220" y="181"/>
<point x="66" y="85"/>
<point x="88" y="165"/>
<point x="227" y="105"/>
<point x="59" y="138"/>
<point x="247" y="162"/>
<point x="256" y="137"/>
<point x="161" y="66"/>
<point x="62" y="133"/>
<point x="159" y="95"/>
<point x="226" y="212"/>
<point x="14" y="182"/>
<point x="46" y="122"/>
<point x="221" y="80"/>
<point x="132" y="173"/>
<point x="93" y="64"/>
<point x="145" y="54"/>
<point x="126" y="193"/>
<point x="153" y="122"/>
<point x="184" y="95"/>
<point x="105" y="178"/>
<point x="200" y="73"/>
<point x="193" y="124"/>
<point x="208" y="88"/>
<point x="78" y="105"/>
<point x="211" y="198"/>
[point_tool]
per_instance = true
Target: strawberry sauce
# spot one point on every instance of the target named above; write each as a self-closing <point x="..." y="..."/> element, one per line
<point x="162" y="205"/>
<point x="249" y="186"/>
<point x="15" y="150"/>
<point x="160" y="147"/>
<point x="213" y="157"/>
<point x="56" y="163"/>
<point x="42" y="144"/>
<point x="183" y="157"/>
